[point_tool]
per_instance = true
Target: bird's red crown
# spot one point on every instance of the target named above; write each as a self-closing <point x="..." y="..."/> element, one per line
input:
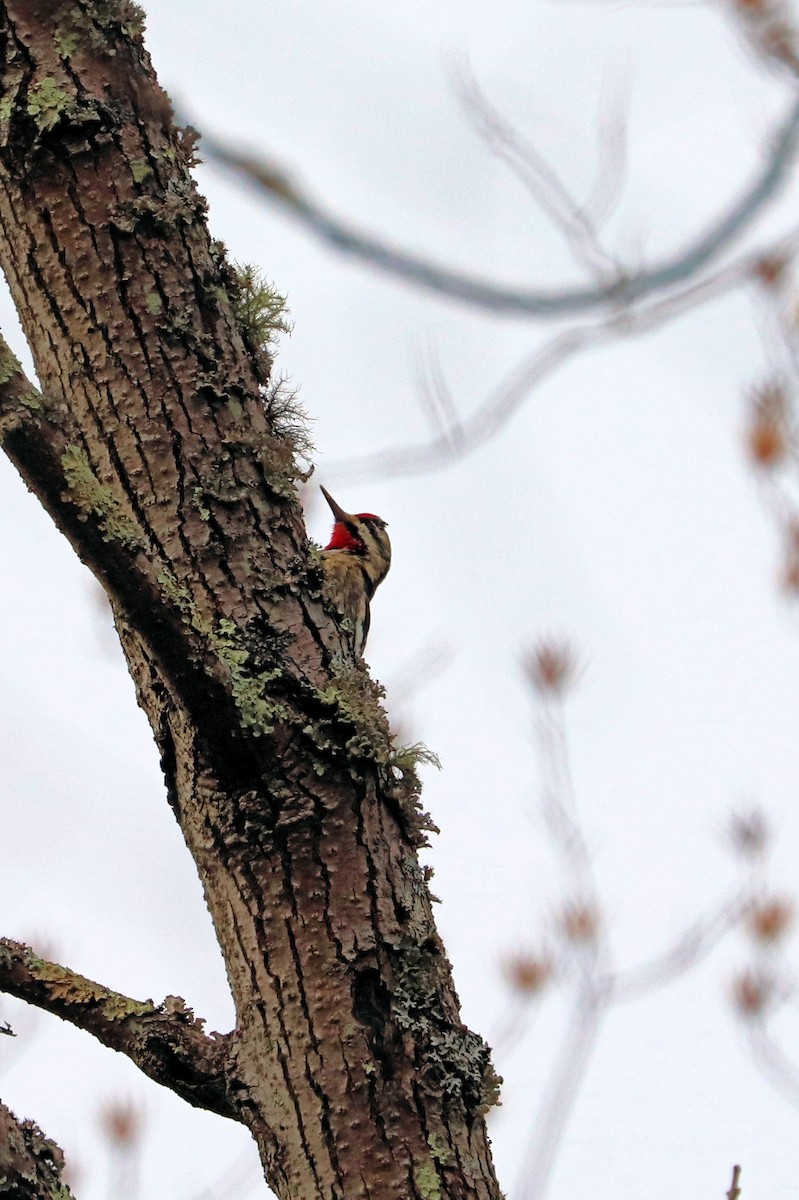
<point x="341" y="537"/>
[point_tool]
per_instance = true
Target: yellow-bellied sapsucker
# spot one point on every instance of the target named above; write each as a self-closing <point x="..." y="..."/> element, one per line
<point x="355" y="561"/>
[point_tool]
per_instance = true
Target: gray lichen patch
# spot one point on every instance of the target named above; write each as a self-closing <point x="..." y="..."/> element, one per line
<point x="457" y="1061"/>
<point x="95" y="499"/>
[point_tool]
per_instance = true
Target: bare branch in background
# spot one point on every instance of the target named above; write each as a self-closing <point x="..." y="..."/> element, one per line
<point x="570" y="1068"/>
<point x="467" y="434"/>
<point x="238" y="1179"/>
<point x="581" y="958"/>
<point x="415" y="674"/>
<point x="614" y="107"/>
<point x="692" y="945"/>
<point x="273" y="182"/>
<point x="541" y="180"/>
<point x="772" y="1062"/>
<point x="583" y="954"/>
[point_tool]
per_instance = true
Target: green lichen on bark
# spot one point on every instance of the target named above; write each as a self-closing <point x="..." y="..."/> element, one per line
<point x="66" y="41"/>
<point x="198" y="496"/>
<point x="47" y="102"/>
<point x="425" y="1177"/>
<point x="440" y="1150"/>
<point x="140" y="169"/>
<point x="89" y="26"/>
<point x="9" y="363"/>
<point x="249" y="687"/>
<point x="248" y="681"/>
<point x="174" y="592"/>
<point x="72" y="989"/>
<point x="95" y="499"/>
<point x="355" y="699"/>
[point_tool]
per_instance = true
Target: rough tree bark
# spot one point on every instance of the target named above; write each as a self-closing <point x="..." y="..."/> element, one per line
<point x="30" y="1164"/>
<point x="160" y="450"/>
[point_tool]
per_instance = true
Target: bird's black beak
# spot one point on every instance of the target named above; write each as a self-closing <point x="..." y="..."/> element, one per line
<point x="336" y="509"/>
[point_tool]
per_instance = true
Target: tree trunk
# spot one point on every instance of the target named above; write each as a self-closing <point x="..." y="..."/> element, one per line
<point x="30" y="1164"/>
<point x="163" y="453"/>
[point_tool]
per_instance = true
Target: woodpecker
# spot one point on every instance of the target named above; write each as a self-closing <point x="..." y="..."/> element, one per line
<point x="356" y="560"/>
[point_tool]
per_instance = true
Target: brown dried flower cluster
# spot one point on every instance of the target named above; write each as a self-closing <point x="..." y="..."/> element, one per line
<point x="527" y="973"/>
<point x="579" y="922"/>
<point x="123" y="1122"/>
<point x="770" y="269"/>
<point x="768" y="920"/>
<point x="550" y="667"/>
<point x="769" y="28"/>
<point x="768" y="435"/>
<point x="752" y="992"/>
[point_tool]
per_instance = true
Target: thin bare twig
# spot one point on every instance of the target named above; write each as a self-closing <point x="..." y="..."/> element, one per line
<point x="435" y="397"/>
<point x="772" y="1062"/>
<point x="238" y="1178"/>
<point x="694" y="944"/>
<point x="415" y="674"/>
<point x="532" y="169"/>
<point x="734" y="1189"/>
<point x="612" y="167"/>
<point x="504" y="401"/>
<point x="584" y="940"/>
<point x="568" y="1074"/>
<point x="274" y="182"/>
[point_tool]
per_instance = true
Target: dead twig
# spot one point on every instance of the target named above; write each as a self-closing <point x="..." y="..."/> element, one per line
<point x="734" y="1189"/>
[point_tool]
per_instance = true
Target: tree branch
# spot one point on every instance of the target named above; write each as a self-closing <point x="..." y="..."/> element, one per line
<point x="692" y="945"/>
<point x="270" y="180"/>
<point x="30" y="1163"/>
<point x="535" y="173"/>
<point x="166" y="1042"/>
<point x="463" y="435"/>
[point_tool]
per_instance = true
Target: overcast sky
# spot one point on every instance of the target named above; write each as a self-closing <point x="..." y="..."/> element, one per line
<point x="615" y="509"/>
